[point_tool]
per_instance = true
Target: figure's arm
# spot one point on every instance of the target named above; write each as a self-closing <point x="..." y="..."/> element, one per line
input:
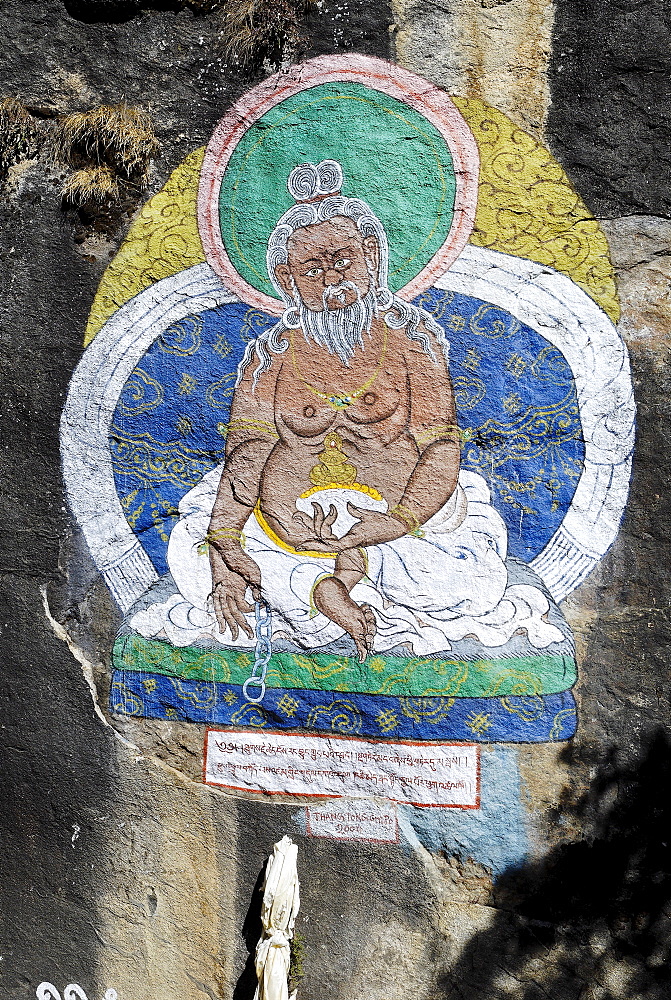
<point x="433" y="427"/>
<point x="250" y="439"/>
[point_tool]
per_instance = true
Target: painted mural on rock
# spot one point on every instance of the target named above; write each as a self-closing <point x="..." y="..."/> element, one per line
<point x="353" y="419"/>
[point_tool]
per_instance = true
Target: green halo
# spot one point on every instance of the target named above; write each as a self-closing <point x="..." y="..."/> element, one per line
<point x="392" y="157"/>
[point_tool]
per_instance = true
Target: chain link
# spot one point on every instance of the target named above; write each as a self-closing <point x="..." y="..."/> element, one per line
<point x="263" y="652"/>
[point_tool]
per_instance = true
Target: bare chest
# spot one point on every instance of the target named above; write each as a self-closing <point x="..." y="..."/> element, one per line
<point x="372" y="400"/>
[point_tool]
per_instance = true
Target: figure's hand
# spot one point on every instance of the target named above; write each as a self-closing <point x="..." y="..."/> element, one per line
<point x="237" y="561"/>
<point x="373" y="528"/>
<point x="229" y="591"/>
<point x="320" y="526"/>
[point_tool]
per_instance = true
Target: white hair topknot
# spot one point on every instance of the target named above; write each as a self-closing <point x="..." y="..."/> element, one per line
<point x="308" y="181"/>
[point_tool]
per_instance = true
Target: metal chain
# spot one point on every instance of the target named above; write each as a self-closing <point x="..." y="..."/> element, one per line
<point x="263" y="652"/>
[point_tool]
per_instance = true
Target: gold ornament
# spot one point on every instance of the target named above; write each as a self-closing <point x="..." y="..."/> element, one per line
<point x="334" y="466"/>
<point x="406" y="517"/>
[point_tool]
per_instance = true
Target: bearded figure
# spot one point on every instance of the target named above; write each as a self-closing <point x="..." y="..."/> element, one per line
<point x="341" y="503"/>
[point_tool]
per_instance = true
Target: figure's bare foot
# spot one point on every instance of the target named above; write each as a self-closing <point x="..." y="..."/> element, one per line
<point x="332" y="598"/>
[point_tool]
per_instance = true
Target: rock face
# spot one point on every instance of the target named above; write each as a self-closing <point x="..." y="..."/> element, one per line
<point x="497" y="50"/>
<point x="124" y="870"/>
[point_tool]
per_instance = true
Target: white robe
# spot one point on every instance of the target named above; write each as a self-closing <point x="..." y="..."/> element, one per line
<point x="424" y="591"/>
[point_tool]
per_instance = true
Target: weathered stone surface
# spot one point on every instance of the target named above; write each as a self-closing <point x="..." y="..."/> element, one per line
<point x="122" y="868"/>
<point x="610" y="103"/>
<point x="496" y="50"/>
<point x="641" y="251"/>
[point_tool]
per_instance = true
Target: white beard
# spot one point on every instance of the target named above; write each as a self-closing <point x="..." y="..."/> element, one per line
<point x="341" y="330"/>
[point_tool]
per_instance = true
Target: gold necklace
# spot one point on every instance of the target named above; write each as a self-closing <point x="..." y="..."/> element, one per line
<point x="340" y="401"/>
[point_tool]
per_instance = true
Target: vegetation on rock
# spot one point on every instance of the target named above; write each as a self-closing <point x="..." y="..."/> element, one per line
<point x="20" y="134"/>
<point x="110" y="147"/>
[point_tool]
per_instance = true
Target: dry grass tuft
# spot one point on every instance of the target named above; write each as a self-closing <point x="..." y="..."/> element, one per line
<point x="111" y="148"/>
<point x="91" y="186"/>
<point x="19" y="134"/>
<point x="116" y="135"/>
<point x="254" y="30"/>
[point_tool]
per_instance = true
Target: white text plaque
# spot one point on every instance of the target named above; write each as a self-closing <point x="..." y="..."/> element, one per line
<point x="419" y="774"/>
<point x="354" y="819"/>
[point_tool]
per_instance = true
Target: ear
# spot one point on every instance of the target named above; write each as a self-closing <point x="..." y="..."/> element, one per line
<point x="371" y="250"/>
<point x="283" y="278"/>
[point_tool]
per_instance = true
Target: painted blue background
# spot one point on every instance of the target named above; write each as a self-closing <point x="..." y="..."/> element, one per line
<point x="515" y="396"/>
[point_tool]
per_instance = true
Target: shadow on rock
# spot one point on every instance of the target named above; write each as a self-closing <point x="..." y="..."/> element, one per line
<point x="252" y="929"/>
<point x="591" y="920"/>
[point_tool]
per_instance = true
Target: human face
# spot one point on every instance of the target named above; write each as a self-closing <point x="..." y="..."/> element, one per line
<point x="325" y="256"/>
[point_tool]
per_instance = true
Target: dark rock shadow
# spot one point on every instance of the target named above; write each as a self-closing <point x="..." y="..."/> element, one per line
<point x="115" y="11"/>
<point x="592" y="918"/>
<point x="252" y="929"/>
<point x="610" y="114"/>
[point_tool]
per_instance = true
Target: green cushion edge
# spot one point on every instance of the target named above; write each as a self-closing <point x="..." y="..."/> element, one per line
<point x="388" y="675"/>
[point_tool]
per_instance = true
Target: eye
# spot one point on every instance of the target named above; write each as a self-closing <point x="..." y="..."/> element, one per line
<point x="314" y="272"/>
<point x="343" y="263"/>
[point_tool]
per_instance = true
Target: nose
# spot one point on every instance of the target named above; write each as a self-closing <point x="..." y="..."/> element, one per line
<point x="332" y="276"/>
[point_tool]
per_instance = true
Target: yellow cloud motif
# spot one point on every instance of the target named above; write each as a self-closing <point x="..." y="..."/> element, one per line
<point x="527" y="207"/>
<point x="161" y="242"/>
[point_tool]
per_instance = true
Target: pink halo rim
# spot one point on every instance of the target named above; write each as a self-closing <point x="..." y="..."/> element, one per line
<point x="424" y="97"/>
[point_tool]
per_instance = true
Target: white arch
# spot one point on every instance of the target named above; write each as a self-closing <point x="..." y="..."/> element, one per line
<point x="571" y="321"/>
<point x="89" y="410"/>
<point x="545" y="300"/>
